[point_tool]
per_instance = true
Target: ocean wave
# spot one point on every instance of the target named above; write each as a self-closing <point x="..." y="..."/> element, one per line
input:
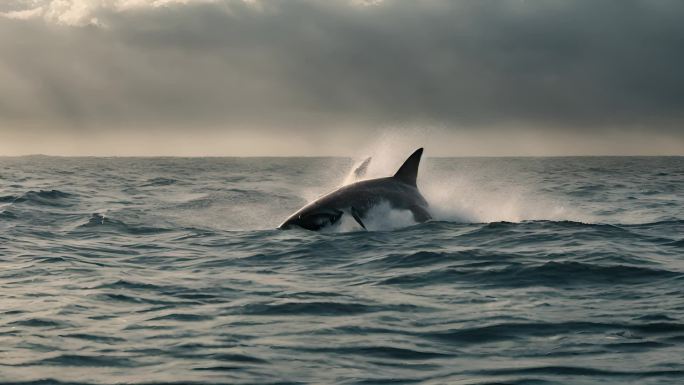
<point x="160" y="181"/>
<point x="234" y="357"/>
<point x="41" y="197"/>
<point x="609" y="228"/>
<point x="129" y="285"/>
<point x="8" y="198"/>
<point x="679" y="243"/>
<point x="319" y="308"/>
<point x="40" y="323"/>
<point x="392" y="352"/>
<point x="182" y="317"/>
<point x="82" y="360"/>
<point x="99" y="222"/>
<point x="667" y="222"/>
<point x="553" y="370"/>
<point x="109" y="340"/>
<point x="429" y="258"/>
<point x="8" y="215"/>
<point x="551" y="274"/>
<point x="523" y="331"/>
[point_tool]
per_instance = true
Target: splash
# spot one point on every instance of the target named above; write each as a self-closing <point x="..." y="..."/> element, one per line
<point x="358" y="171"/>
<point x="381" y="217"/>
<point x="467" y="190"/>
<point x="384" y="217"/>
<point x="460" y="199"/>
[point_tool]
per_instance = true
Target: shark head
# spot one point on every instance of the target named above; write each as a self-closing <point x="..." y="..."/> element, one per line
<point x="312" y="218"/>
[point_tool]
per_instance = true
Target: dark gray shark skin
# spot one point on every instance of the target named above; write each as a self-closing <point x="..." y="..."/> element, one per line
<point x="355" y="199"/>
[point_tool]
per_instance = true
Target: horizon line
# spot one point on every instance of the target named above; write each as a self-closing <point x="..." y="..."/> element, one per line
<point x="348" y="156"/>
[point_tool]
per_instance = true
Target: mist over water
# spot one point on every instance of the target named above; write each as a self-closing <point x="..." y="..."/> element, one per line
<point x="170" y="270"/>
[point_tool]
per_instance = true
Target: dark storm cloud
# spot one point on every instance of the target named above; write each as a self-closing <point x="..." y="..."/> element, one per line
<point x="585" y="65"/>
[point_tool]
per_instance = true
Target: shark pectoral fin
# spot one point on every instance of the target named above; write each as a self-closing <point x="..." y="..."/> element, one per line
<point x="420" y="214"/>
<point x="355" y="213"/>
<point x="360" y="171"/>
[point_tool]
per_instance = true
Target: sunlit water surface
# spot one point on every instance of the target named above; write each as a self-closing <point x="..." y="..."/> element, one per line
<point x="169" y="270"/>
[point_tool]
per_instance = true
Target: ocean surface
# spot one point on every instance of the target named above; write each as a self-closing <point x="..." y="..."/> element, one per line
<point x="170" y="270"/>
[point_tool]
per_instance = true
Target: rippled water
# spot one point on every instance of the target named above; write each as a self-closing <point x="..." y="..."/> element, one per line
<point x="169" y="270"/>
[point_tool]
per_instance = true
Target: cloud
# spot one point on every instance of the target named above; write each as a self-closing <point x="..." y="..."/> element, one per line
<point x="311" y="65"/>
<point x="25" y="14"/>
<point x="82" y="12"/>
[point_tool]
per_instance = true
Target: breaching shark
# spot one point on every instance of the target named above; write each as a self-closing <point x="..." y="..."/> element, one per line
<point x="400" y="191"/>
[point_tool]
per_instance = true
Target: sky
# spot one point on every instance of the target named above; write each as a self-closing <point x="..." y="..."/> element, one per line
<point x="332" y="77"/>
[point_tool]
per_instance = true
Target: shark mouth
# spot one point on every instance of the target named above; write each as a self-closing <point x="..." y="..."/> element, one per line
<point x="314" y="221"/>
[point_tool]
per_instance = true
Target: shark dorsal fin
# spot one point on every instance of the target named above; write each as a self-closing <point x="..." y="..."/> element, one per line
<point x="409" y="170"/>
